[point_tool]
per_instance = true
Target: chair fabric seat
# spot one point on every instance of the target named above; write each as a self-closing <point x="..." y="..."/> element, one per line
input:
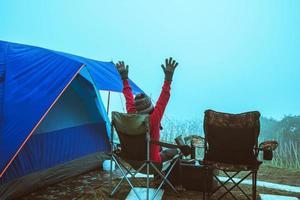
<point x="233" y="167"/>
<point x="231" y="156"/>
<point x="231" y="138"/>
<point x="136" y="164"/>
<point x="132" y="155"/>
<point x="231" y="146"/>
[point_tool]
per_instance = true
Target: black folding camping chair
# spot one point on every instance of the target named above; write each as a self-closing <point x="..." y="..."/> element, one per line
<point x="231" y="146"/>
<point x="132" y="156"/>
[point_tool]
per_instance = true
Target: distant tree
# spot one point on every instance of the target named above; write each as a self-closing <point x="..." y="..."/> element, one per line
<point x="289" y="128"/>
<point x="285" y="129"/>
<point x="268" y="128"/>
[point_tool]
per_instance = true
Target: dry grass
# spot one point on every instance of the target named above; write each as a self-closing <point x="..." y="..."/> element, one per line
<point x="95" y="185"/>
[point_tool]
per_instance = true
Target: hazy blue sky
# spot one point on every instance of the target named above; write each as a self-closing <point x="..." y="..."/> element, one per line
<point x="233" y="56"/>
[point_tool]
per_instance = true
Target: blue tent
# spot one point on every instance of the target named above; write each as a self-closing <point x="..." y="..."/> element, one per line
<point x="51" y="113"/>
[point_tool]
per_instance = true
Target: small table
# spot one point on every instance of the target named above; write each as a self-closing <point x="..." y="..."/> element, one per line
<point x="194" y="175"/>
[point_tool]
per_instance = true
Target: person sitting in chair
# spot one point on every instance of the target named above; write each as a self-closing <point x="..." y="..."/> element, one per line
<point x="142" y="104"/>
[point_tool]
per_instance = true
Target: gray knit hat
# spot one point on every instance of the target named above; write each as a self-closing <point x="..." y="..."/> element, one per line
<point x="143" y="104"/>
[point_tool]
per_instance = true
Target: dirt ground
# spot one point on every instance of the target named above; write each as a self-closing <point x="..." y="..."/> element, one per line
<point x="95" y="185"/>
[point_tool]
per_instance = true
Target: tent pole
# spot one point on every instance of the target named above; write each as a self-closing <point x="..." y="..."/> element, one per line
<point x="108" y="101"/>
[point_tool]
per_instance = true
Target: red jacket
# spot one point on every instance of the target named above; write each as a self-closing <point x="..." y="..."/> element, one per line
<point x="155" y="116"/>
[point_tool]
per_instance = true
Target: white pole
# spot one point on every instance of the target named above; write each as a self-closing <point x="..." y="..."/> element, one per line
<point x="108" y="101"/>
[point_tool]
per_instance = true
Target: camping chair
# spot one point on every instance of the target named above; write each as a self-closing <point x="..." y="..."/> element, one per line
<point x="231" y="146"/>
<point x="132" y="156"/>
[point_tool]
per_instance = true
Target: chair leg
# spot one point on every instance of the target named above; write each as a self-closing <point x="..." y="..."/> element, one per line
<point x="166" y="176"/>
<point x="110" y="173"/>
<point x="133" y="174"/>
<point x="254" y="180"/>
<point x="205" y="182"/>
<point x="148" y="163"/>
<point x="165" y="179"/>
<point x="236" y="185"/>
<point x="223" y="185"/>
<point x="128" y="181"/>
<point x="117" y="187"/>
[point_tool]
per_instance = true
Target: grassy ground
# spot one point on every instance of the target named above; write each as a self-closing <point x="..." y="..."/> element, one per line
<point x="279" y="175"/>
<point x="95" y="185"/>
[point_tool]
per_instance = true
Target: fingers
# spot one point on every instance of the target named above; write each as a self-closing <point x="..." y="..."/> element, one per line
<point x="170" y="62"/>
<point x="121" y="64"/>
<point x="118" y="64"/>
<point x="122" y="69"/>
<point x="163" y="67"/>
<point x="176" y="64"/>
<point x="166" y="62"/>
<point x="173" y="63"/>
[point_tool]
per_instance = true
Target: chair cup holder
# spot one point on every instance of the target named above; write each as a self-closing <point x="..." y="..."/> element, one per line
<point x="267" y="154"/>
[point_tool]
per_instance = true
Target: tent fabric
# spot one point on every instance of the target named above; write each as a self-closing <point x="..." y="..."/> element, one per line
<point x="74" y="129"/>
<point x="31" y="80"/>
<point x="105" y="79"/>
<point x="34" y="79"/>
<point x="46" y="150"/>
<point x="76" y="106"/>
<point x="2" y="78"/>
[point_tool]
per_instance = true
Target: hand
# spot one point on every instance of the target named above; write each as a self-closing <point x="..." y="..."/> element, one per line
<point x="169" y="68"/>
<point x="123" y="71"/>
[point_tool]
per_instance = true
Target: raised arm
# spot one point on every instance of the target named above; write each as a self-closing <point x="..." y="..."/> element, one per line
<point x="165" y="93"/>
<point x="123" y="71"/>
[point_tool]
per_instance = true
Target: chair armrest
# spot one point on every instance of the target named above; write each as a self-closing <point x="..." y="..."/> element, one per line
<point x="184" y="149"/>
<point x="270" y="145"/>
<point x="165" y="144"/>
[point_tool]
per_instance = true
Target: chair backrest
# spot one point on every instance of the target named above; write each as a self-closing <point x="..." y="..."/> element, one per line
<point x="231" y="138"/>
<point x="132" y="130"/>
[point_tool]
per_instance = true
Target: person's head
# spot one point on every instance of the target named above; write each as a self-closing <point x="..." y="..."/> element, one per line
<point x="143" y="104"/>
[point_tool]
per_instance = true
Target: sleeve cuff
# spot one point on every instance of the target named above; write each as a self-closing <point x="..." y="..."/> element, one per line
<point x="167" y="82"/>
<point x="125" y="82"/>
